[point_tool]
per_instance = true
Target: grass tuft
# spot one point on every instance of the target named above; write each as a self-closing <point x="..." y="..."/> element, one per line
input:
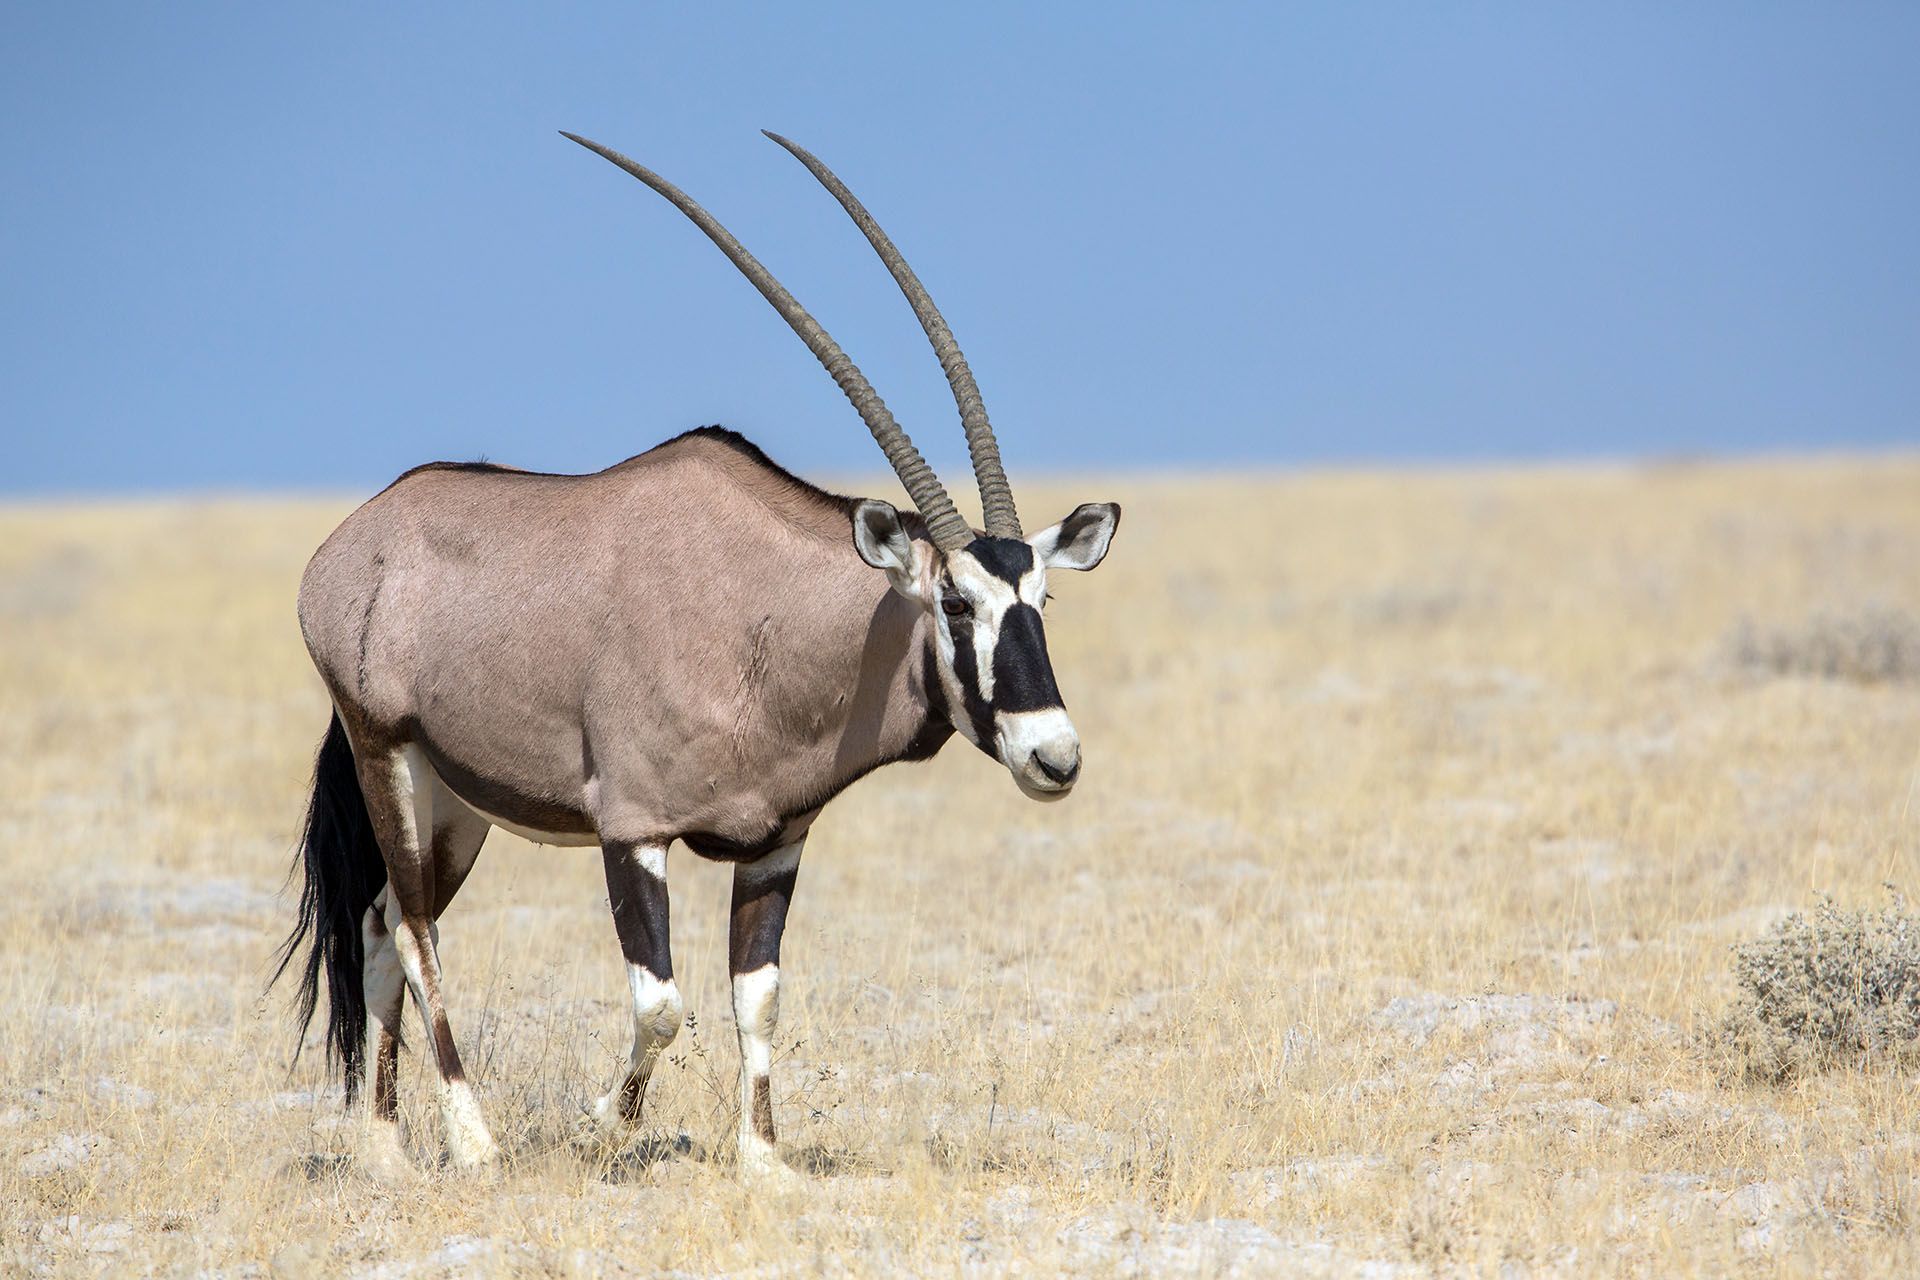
<point x="1830" y="990"/>
<point x="1870" y="645"/>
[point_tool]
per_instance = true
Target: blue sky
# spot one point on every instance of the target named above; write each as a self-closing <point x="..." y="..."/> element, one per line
<point x="244" y="246"/>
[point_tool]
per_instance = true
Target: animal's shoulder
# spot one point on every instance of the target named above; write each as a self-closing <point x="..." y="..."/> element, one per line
<point x="743" y="460"/>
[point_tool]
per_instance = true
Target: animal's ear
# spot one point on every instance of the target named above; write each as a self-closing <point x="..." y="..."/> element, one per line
<point x="1080" y="541"/>
<point x="884" y="544"/>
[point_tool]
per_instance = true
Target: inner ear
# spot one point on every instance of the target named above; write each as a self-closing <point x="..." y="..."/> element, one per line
<point x="1081" y="540"/>
<point x="883" y="543"/>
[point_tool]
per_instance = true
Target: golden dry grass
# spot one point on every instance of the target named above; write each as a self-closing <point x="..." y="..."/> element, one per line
<point x="1381" y="937"/>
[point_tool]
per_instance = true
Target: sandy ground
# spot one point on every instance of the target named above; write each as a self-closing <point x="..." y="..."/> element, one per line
<point x="1381" y="938"/>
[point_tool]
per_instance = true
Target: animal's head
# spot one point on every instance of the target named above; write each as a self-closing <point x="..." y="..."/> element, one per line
<point x="987" y="599"/>
<point x="985" y="593"/>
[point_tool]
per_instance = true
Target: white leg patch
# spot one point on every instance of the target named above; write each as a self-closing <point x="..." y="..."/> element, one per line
<point x="653" y="860"/>
<point x="382" y="977"/>
<point x="756" y="1012"/>
<point x="414" y="962"/>
<point x="468" y="1142"/>
<point x="382" y="983"/>
<point x="657" y="1008"/>
<point x="657" y="1014"/>
<point x="383" y="1151"/>
<point x="780" y="862"/>
<point x="413" y="781"/>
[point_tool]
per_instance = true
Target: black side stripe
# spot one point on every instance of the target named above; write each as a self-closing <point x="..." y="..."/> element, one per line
<point x="966" y="668"/>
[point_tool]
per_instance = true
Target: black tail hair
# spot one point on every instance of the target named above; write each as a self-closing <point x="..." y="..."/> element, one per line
<point x="344" y="873"/>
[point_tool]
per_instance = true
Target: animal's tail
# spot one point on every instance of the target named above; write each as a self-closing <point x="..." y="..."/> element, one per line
<point x="344" y="872"/>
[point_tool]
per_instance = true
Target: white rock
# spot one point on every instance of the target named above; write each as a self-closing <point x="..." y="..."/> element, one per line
<point x="67" y="1151"/>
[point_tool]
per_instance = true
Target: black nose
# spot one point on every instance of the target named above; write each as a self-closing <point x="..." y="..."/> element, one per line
<point x="1059" y="776"/>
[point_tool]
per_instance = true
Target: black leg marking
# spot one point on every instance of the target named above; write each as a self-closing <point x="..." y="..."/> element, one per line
<point x="637" y="893"/>
<point x="759" y="916"/>
<point x="762" y="893"/>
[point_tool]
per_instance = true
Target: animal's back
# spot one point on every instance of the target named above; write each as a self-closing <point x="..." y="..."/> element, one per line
<point x="445" y="561"/>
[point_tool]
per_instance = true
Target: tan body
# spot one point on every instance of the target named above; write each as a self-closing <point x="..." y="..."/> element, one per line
<point x="685" y="644"/>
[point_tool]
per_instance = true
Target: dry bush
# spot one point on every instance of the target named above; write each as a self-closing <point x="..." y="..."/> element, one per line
<point x="1834" y="989"/>
<point x="1870" y="645"/>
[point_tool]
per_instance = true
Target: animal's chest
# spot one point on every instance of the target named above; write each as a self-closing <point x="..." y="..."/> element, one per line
<point x="748" y="845"/>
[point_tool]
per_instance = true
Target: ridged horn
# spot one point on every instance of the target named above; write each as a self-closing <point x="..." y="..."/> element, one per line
<point x="996" y="495"/>
<point x="944" y="524"/>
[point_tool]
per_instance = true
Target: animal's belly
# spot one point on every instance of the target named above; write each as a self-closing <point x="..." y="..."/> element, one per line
<point x="531" y="807"/>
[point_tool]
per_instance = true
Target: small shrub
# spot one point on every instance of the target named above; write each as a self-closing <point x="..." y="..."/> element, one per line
<point x="1869" y="646"/>
<point x="1837" y="988"/>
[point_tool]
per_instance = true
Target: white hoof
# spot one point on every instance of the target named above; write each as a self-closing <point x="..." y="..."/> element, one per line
<point x="609" y="1119"/>
<point x="366" y="1146"/>
<point x="761" y="1164"/>
<point x="469" y="1145"/>
<point x="381" y="1153"/>
<point x="471" y="1152"/>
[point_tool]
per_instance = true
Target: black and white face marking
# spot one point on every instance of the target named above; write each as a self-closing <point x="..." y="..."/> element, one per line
<point x="994" y="656"/>
<point x="986" y="600"/>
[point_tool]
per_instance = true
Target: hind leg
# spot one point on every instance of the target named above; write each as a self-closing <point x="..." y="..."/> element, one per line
<point x="457" y="836"/>
<point x="400" y="791"/>
<point x="385" y="988"/>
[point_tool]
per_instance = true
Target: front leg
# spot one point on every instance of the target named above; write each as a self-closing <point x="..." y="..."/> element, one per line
<point x="762" y="892"/>
<point x="637" y="892"/>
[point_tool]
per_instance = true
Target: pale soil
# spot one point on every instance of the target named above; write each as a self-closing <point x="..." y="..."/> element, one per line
<point x="1420" y="813"/>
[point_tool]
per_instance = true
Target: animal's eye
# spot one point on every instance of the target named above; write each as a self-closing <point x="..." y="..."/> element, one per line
<point x="955" y="606"/>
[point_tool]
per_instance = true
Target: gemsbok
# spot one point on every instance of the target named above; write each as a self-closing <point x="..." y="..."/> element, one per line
<point x="690" y="645"/>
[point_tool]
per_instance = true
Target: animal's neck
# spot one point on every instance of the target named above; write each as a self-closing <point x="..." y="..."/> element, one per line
<point x="894" y="696"/>
<point x="848" y="689"/>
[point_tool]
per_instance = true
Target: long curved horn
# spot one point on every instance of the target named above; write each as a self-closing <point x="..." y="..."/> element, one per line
<point x="996" y="495"/>
<point x="944" y="524"/>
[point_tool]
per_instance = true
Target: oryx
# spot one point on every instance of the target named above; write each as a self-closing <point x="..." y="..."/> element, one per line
<point x="690" y="645"/>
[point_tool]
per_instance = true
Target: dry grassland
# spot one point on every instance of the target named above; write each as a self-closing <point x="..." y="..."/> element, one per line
<point x="1384" y="936"/>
